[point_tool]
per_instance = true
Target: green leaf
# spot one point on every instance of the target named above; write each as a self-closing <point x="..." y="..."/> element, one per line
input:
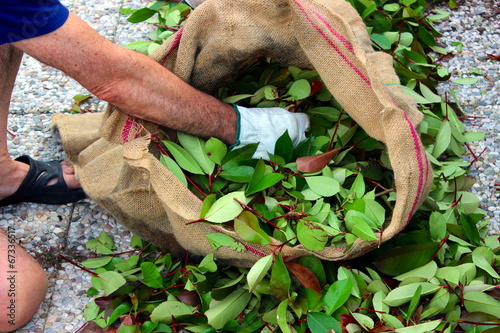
<point x="337" y="295"/>
<point x="375" y="212"/>
<point x="300" y="89"/>
<point x="284" y="147"/>
<point x="235" y="156"/>
<point x="427" y="271"/>
<point x="218" y="239"/>
<point x="120" y="309"/>
<point x="378" y="304"/>
<point x="450" y="274"/>
<point x="319" y="322"/>
<point x="323" y="186"/>
<point x="260" y="181"/>
<point x="469" y="202"/>
<point x="196" y="147"/>
<point x="246" y="225"/>
<point x="414" y="303"/>
<point x="443" y="139"/>
<point x="381" y="41"/>
<point x="238" y="174"/>
<point x="183" y="158"/>
<point x="429" y="94"/>
<point x="282" y="317"/>
<point x="270" y="93"/>
<point x="311" y="235"/>
<point x="208" y="264"/>
<point x="466" y="81"/>
<point x="79" y="98"/>
<point x="167" y="310"/>
<point x="96" y="262"/>
<point x="364" y="231"/>
<point x="258" y="271"/>
<point x="470" y="227"/>
<point x="437" y="226"/>
<point x="103" y="244"/>
<point x="392" y="321"/>
<point x="476" y="301"/>
<point x="226" y="208"/>
<point x="358" y="186"/>
<point x="236" y="98"/>
<point x="173" y="168"/>
<point x="111" y="281"/>
<point x="403" y="259"/>
<point x="152" y="276"/>
<point x="140" y="15"/>
<point x="216" y="150"/>
<point x="392" y="7"/>
<point x="91" y="311"/>
<point x="484" y="258"/>
<point x="208" y="202"/>
<point x="220" y="312"/>
<point x="402" y="295"/>
<point x="128" y="264"/>
<point x="418" y="98"/>
<point x="429" y="326"/>
<point x="280" y="279"/>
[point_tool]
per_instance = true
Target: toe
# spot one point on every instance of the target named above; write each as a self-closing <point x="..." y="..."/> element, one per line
<point x="69" y="175"/>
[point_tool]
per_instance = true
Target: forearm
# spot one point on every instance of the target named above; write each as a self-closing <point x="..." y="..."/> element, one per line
<point x="131" y="81"/>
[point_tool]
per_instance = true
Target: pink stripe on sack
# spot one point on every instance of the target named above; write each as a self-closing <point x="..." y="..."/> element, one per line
<point x="254" y="251"/>
<point x="127" y="128"/>
<point x="342" y="39"/>
<point x="420" y="160"/>
<point x="175" y="44"/>
<point x="332" y="44"/>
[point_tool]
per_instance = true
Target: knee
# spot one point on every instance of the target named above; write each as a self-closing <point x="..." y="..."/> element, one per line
<point x="23" y="285"/>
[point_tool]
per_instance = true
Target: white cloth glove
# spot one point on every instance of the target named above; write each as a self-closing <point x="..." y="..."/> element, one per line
<point x="266" y="125"/>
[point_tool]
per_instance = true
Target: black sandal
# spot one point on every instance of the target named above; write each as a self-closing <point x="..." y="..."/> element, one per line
<point x="34" y="187"/>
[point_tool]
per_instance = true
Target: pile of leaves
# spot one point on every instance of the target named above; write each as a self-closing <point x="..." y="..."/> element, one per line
<point x="330" y="190"/>
<point x="440" y="274"/>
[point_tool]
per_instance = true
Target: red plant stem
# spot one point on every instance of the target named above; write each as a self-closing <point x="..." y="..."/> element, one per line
<point x="79" y="266"/>
<point x="330" y="146"/>
<point x="470" y="150"/>
<point x="11" y="134"/>
<point x="253" y="211"/>
<point x="372" y="310"/>
<point x="471" y="117"/>
<point x="476" y="158"/>
<point x="82" y="327"/>
<point x="376" y="184"/>
<point x="291" y="172"/>
<point x="441" y="244"/>
<point x="196" y="221"/>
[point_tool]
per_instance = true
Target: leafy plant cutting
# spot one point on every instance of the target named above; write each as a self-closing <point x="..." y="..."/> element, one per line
<point x="335" y="190"/>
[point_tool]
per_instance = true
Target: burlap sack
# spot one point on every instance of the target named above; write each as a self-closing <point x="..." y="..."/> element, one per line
<point x="120" y="169"/>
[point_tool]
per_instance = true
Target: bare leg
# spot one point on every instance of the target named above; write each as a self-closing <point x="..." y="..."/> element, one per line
<point x="12" y="173"/>
<point x="23" y="285"/>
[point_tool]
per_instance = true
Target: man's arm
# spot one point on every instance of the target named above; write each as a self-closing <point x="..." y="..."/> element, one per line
<point x="131" y="81"/>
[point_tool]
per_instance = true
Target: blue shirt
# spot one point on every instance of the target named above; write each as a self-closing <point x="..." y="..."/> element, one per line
<point x="23" y="19"/>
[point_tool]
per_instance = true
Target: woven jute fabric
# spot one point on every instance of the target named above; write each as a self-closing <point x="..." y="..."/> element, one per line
<point x="119" y="167"/>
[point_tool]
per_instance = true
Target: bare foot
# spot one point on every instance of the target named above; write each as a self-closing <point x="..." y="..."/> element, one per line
<point x="12" y="173"/>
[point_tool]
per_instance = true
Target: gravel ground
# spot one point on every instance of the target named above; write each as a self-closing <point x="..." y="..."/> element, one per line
<point x="46" y="231"/>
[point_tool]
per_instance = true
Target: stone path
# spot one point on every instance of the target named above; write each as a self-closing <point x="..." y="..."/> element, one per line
<point x="47" y="231"/>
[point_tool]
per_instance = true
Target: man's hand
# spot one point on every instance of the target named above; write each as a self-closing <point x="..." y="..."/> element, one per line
<point x="266" y="125"/>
